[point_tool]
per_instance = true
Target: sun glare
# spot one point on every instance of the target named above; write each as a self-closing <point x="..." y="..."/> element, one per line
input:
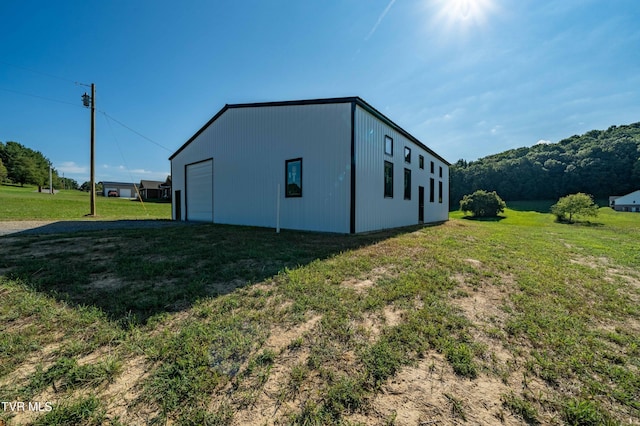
<point x="463" y="14"/>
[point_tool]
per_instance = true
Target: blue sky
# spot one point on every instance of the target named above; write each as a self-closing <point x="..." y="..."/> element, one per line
<point x="468" y="78"/>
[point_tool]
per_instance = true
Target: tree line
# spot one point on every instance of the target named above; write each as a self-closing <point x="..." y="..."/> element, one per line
<point x="599" y="162"/>
<point x="24" y="166"/>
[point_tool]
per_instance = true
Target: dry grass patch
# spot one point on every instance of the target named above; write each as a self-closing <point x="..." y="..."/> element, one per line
<point x="431" y="393"/>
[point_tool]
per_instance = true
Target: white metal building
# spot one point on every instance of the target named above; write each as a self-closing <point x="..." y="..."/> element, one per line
<point x="339" y="166"/>
<point x="626" y="203"/>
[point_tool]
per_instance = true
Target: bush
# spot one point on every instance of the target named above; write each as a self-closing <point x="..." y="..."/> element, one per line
<point x="579" y="204"/>
<point x="483" y="204"/>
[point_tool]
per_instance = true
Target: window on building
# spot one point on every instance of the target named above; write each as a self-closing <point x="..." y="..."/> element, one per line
<point x="293" y="177"/>
<point x="433" y="167"/>
<point x="421" y="161"/>
<point x="440" y="171"/>
<point x="388" y="179"/>
<point x="407" y="154"/>
<point x="440" y="192"/>
<point x="388" y="145"/>
<point x="407" y="184"/>
<point x="432" y="190"/>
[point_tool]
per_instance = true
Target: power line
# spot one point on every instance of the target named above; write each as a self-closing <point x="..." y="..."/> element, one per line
<point x="40" y="97"/>
<point x="125" y="162"/>
<point x="80" y="106"/>
<point x="135" y="131"/>
<point x="39" y="72"/>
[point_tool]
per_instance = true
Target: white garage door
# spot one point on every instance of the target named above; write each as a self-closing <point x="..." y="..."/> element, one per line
<point x="125" y="193"/>
<point x="199" y="191"/>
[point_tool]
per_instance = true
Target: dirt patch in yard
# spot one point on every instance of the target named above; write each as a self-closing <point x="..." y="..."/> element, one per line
<point x="123" y="392"/>
<point x="281" y="338"/>
<point x="364" y="284"/>
<point x="431" y="393"/>
<point x="42" y="357"/>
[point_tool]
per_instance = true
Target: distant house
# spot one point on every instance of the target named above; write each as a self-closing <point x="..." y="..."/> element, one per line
<point x="626" y="203"/>
<point x="119" y="189"/>
<point x="151" y="189"/>
<point x="331" y="165"/>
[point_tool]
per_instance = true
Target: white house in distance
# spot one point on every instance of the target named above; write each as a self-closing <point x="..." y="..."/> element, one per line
<point x="330" y="165"/>
<point x="119" y="189"/>
<point x="626" y="203"/>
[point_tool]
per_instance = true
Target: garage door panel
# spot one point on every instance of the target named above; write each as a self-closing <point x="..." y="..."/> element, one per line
<point x="199" y="191"/>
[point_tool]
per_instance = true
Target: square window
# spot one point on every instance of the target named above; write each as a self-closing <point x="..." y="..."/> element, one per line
<point x="421" y="161"/>
<point x="407" y="155"/>
<point x="407" y="184"/>
<point x="388" y="179"/>
<point x="293" y="178"/>
<point x="388" y="145"/>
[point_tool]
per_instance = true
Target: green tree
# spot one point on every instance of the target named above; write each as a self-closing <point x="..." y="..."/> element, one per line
<point x="600" y="162"/>
<point x="24" y="165"/>
<point x="86" y="186"/>
<point x="25" y="170"/>
<point x="3" y="171"/>
<point x="483" y="204"/>
<point x="573" y="205"/>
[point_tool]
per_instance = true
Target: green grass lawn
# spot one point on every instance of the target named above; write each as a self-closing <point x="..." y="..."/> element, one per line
<point x="26" y="203"/>
<point x="520" y="320"/>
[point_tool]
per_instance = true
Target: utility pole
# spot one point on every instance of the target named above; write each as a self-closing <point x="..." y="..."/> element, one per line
<point x="90" y="101"/>
<point x="50" y="180"/>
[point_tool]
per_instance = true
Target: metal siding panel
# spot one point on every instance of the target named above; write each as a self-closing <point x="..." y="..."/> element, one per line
<point x="250" y="146"/>
<point x="374" y="211"/>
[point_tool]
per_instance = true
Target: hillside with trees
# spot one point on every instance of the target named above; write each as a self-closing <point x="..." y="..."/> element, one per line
<point x="599" y="162"/>
<point x="24" y="166"/>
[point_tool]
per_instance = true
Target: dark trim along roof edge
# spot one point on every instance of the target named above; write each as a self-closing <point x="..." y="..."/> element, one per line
<point x="354" y="99"/>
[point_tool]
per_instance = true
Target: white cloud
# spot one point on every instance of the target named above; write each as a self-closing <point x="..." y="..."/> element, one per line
<point x="120" y="173"/>
<point x="543" y="142"/>
<point x="70" y="167"/>
<point x="141" y="172"/>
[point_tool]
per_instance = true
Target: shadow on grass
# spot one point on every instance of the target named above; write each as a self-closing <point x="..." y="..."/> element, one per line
<point x="67" y="226"/>
<point x="586" y="223"/>
<point x="134" y="274"/>
<point x="542" y="206"/>
<point x="539" y="206"/>
<point x="485" y="219"/>
<point x="153" y="201"/>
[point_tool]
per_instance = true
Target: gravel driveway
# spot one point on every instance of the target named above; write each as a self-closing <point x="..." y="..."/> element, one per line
<point x="37" y="227"/>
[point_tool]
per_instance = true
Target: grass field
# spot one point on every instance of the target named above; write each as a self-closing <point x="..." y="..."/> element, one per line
<point x="513" y="321"/>
<point x="26" y="203"/>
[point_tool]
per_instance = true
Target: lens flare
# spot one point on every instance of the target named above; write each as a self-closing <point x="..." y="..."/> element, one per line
<point x="463" y="14"/>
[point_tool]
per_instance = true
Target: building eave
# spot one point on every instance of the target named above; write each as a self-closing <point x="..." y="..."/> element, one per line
<point x="351" y="99"/>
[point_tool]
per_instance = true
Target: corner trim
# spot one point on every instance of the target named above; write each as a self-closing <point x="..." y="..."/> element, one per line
<point x="352" y="208"/>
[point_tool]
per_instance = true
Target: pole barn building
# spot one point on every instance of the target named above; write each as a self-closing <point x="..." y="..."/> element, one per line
<point x="330" y="165"/>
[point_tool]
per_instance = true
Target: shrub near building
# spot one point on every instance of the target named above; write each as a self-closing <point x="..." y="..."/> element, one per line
<point x="483" y="204"/>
